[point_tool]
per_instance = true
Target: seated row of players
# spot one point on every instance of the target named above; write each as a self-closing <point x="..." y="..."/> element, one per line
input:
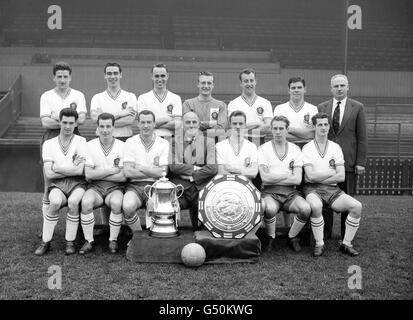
<point x="108" y="163"/>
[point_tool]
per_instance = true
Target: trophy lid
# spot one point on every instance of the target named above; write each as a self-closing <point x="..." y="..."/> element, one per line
<point x="163" y="183"/>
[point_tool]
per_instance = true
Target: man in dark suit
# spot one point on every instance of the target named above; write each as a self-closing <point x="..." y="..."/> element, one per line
<point x="192" y="164"/>
<point x="348" y="129"/>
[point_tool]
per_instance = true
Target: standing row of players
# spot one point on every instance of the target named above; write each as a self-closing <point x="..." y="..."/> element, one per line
<point x="109" y="171"/>
<point x="211" y="113"/>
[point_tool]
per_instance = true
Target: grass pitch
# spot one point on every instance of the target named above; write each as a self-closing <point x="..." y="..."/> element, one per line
<point x="385" y="241"/>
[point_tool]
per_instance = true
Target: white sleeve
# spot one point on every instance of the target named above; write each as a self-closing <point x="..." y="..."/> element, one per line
<point x="82" y="148"/>
<point x="177" y="110"/>
<point x="231" y="107"/>
<point x="141" y="105"/>
<point x="277" y="111"/>
<point x="164" y="154"/>
<point x="220" y="154"/>
<point x="47" y="153"/>
<point x="89" y="158"/>
<point x="45" y="109"/>
<point x="261" y="156"/>
<point x="82" y="103"/>
<point x="94" y="104"/>
<point x="254" y="153"/>
<point x="132" y="102"/>
<point x="128" y="154"/>
<point x="306" y="157"/>
<point x="340" y="157"/>
<point x="267" y="110"/>
<point x="299" y="162"/>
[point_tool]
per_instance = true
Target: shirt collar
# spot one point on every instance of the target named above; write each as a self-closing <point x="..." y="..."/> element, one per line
<point x="342" y="104"/>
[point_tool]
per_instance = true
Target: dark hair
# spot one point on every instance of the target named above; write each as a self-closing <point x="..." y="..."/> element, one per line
<point x="68" y="112"/>
<point x="106" y="116"/>
<point x="61" y="65"/>
<point x="145" y="113"/>
<point x="237" y="113"/>
<point x="296" y="79"/>
<point x="320" y="115"/>
<point x="281" y="118"/>
<point x="112" y="64"/>
<point x="246" y="71"/>
<point x="159" y="65"/>
<point x="206" y="73"/>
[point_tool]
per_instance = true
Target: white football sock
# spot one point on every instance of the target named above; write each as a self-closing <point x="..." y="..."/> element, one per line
<point x="88" y="223"/>
<point x="115" y="222"/>
<point x="352" y="225"/>
<point x="317" y="225"/>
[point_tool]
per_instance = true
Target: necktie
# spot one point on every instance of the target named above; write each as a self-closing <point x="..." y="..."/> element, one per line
<point x="336" y="118"/>
<point x="190" y="152"/>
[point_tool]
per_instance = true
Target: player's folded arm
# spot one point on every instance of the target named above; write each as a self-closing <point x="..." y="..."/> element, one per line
<point x="338" y="177"/>
<point x="49" y="172"/>
<point x="131" y="172"/>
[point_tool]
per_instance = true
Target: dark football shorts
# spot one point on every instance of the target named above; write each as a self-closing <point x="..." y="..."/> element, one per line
<point x="327" y="193"/>
<point x="284" y="195"/>
<point x="68" y="185"/>
<point x="104" y="188"/>
<point x="138" y="188"/>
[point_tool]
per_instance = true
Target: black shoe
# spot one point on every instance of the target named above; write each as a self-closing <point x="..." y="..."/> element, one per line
<point x="294" y="244"/>
<point x="70" y="248"/>
<point x="268" y="243"/>
<point x="113" y="246"/>
<point x="348" y="250"/>
<point x="86" y="248"/>
<point x="42" y="249"/>
<point x="318" y="251"/>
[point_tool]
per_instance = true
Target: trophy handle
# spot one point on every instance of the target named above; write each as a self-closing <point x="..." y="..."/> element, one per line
<point x="181" y="188"/>
<point x="147" y="191"/>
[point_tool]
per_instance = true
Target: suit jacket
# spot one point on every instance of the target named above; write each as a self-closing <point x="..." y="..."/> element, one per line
<point x="352" y="135"/>
<point x="182" y="164"/>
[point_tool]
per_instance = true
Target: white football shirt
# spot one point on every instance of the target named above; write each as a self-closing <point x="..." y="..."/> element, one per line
<point x="256" y="112"/>
<point x="327" y="161"/>
<point x="292" y="158"/>
<point x="114" y="104"/>
<point x="97" y="156"/>
<point x="53" y="151"/>
<point x="226" y="155"/>
<point x="298" y="119"/>
<point x="51" y="101"/>
<point x="170" y="105"/>
<point x="136" y="152"/>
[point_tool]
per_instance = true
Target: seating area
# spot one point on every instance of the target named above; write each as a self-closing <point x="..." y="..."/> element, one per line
<point x="298" y="35"/>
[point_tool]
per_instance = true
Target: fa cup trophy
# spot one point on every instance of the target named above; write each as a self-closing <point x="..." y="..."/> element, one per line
<point x="163" y="207"/>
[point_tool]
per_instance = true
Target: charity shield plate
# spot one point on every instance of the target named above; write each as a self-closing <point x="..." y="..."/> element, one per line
<point x="230" y="206"/>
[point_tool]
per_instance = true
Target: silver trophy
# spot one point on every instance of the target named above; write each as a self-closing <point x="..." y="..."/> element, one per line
<point x="163" y="207"/>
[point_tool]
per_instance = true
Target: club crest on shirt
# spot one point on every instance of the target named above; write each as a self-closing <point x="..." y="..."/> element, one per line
<point x="291" y="165"/>
<point x="332" y="163"/>
<point x="247" y="161"/>
<point x="307" y="118"/>
<point x="116" y="161"/>
<point x="260" y="111"/>
<point x="73" y="106"/>
<point x="74" y="157"/>
<point x="124" y="105"/>
<point x="214" y="113"/>
<point x="156" y="161"/>
<point x="169" y="109"/>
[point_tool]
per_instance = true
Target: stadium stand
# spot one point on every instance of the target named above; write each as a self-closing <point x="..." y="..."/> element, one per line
<point x="383" y="43"/>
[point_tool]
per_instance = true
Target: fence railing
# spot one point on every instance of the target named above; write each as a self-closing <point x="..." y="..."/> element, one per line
<point x="386" y="176"/>
<point x="10" y="105"/>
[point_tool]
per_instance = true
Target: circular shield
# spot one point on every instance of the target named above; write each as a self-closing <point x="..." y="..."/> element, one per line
<point x="230" y="206"/>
